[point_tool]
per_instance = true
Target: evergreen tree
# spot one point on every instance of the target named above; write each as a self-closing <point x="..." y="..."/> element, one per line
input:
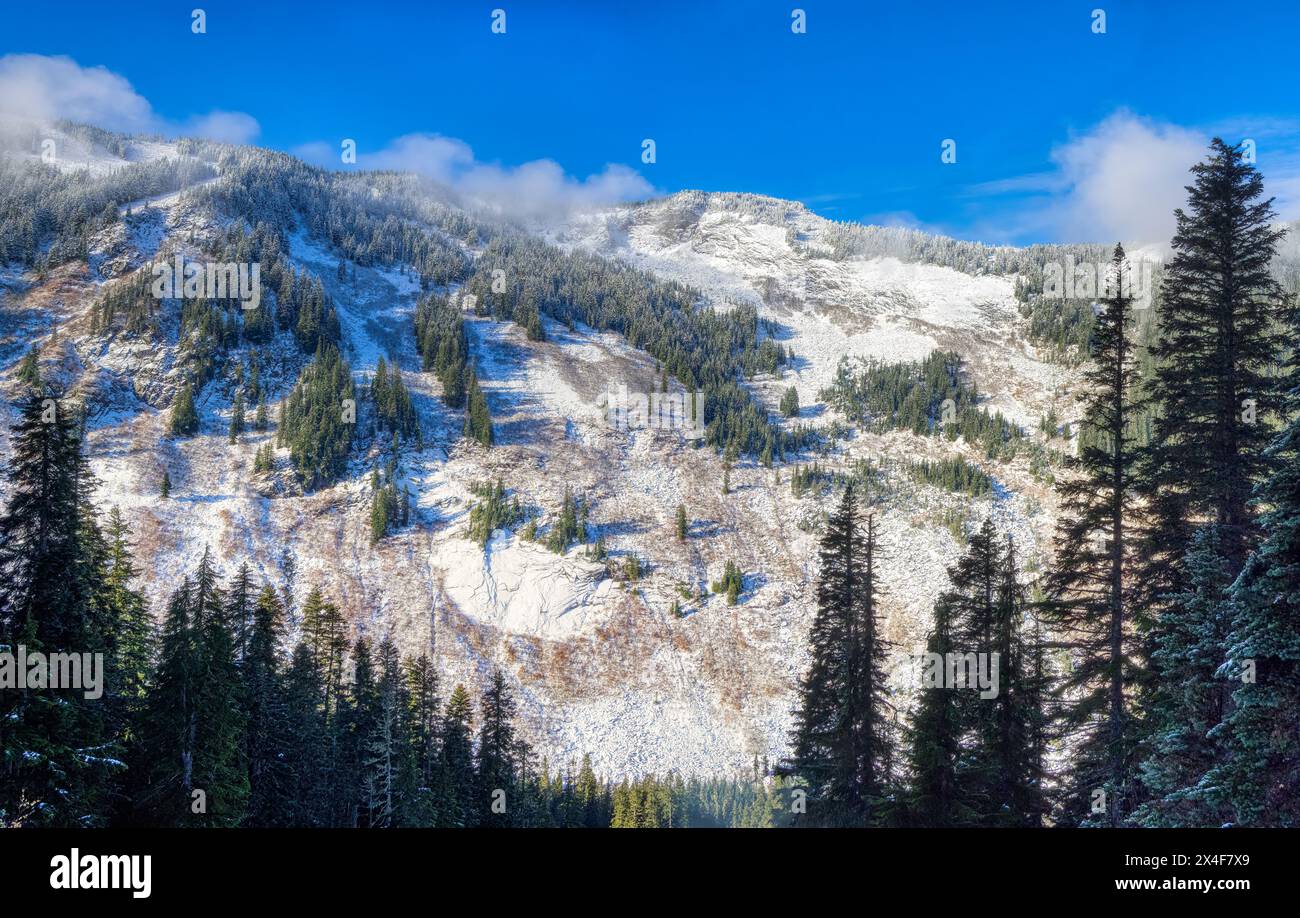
<point x="390" y="776"/>
<point x="29" y="370"/>
<point x="385" y="508"/>
<point x="533" y="326"/>
<point x="307" y="757"/>
<point x="478" y="420"/>
<point x="984" y="625"/>
<point x="569" y="526"/>
<point x="790" y="403"/>
<point x="166" y="758"/>
<point x="193" y="734"/>
<point x="393" y="407"/>
<point x="1222" y="323"/>
<point x="1190" y="640"/>
<point x="934" y="738"/>
<point x="237" y="417"/>
<point x="1034" y="708"/>
<point x="318" y="418"/>
<point x="1222" y="326"/>
<point x="56" y="750"/>
<point x="496" y="765"/>
<point x="681" y="523"/>
<point x="440" y="337"/>
<point x="1089" y="588"/>
<point x="268" y="740"/>
<point x="355" y="724"/>
<point x="165" y="491"/>
<point x="40" y="531"/>
<point x="426" y="735"/>
<point x="843" y="729"/>
<point x="133" y="661"/>
<point x="184" y="420"/>
<point x="457" y="806"/>
<point x="589" y="797"/>
<point x="1259" y="778"/>
<point x="325" y="634"/>
<point x="1012" y="786"/>
<point x="239" y="609"/>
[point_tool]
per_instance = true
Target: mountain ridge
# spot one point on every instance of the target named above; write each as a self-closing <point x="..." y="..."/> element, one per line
<point x="602" y="664"/>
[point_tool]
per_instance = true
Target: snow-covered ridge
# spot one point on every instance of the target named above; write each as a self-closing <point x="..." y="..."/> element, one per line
<point x="769" y="253"/>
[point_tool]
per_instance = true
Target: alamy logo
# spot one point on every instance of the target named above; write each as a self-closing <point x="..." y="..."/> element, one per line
<point x="213" y="280"/>
<point x="682" y="411"/>
<point x="23" y="670"/>
<point x="1086" y="280"/>
<point x="103" y="871"/>
<point x="961" y="671"/>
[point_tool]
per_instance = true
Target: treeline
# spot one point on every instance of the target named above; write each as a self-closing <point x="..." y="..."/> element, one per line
<point x="815" y="479"/>
<point x="388" y="219"/>
<point x="517" y="278"/>
<point x="977" y="756"/>
<point x="1177" y="587"/>
<point x="1064" y="326"/>
<point x="927" y="397"/>
<point x="292" y="302"/>
<point x="854" y="240"/>
<point x="339" y="733"/>
<point x="394" y="412"/>
<point x="372" y="218"/>
<point x="678" y="803"/>
<point x="383" y="218"/>
<point x="47" y="215"/>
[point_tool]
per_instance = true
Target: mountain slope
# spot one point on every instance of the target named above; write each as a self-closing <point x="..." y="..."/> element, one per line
<point x="603" y="664"/>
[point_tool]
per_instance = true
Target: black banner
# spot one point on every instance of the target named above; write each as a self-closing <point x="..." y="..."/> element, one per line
<point x="221" y="868"/>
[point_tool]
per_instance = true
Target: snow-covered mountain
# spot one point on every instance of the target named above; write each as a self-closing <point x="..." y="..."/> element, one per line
<point x="780" y="257"/>
<point x="601" y="665"/>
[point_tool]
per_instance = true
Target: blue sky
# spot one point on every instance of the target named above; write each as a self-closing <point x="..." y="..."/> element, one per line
<point x="1061" y="133"/>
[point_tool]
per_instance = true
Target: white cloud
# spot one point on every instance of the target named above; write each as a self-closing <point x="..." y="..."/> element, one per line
<point x="442" y="159"/>
<point x="42" y="88"/>
<point x="539" y="189"/>
<point x="46" y="88"/>
<point x="1122" y="179"/>
<point x="225" y="127"/>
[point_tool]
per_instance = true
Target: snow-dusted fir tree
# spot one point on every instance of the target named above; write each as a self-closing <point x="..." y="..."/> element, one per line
<point x="843" y="738"/>
<point x="1223" y="324"/>
<point x="1089" y="599"/>
<point x="1260" y="778"/>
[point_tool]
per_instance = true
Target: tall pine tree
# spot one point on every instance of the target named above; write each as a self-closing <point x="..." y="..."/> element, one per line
<point x="1222" y="326"/>
<point x="1259" y="780"/>
<point x="1089" y="589"/>
<point x="843" y="729"/>
<point x="56" y="750"/>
